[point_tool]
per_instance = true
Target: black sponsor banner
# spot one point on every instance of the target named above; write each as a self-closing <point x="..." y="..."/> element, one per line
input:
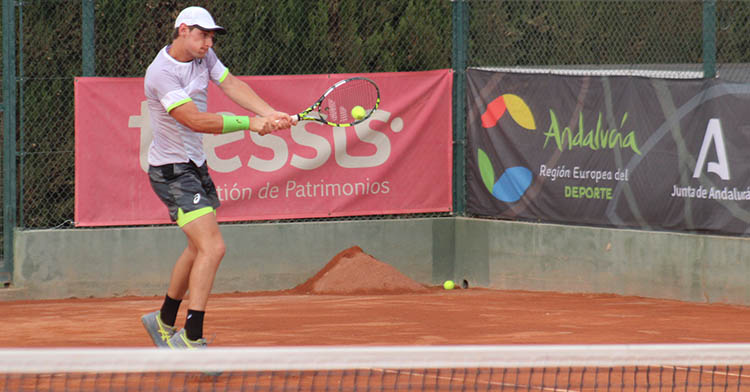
<point x="616" y="151"/>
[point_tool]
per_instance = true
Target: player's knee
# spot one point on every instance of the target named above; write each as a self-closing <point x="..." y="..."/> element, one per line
<point x="219" y="249"/>
<point x="191" y="249"/>
<point x="215" y="248"/>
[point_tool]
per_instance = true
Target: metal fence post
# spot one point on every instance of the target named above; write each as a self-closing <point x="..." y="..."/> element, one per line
<point x="87" y="34"/>
<point x="460" y="32"/>
<point x="9" y="139"/>
<point x="709" y="38"/>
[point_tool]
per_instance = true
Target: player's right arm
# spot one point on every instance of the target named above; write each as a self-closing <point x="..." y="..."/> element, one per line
<point x="165" y="87"/>
<point x="188" y="115"/>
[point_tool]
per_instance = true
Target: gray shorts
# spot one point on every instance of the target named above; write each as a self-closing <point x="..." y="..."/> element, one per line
<point x="186" y="189"/>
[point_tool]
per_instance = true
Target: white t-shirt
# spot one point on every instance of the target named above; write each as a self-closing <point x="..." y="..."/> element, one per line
<point x="168" y="84"/>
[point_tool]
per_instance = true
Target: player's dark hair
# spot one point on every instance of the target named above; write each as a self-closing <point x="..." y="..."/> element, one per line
<point x="176" y="32"/>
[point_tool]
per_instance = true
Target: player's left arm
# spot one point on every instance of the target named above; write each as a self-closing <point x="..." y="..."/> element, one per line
<point x="242" y="94"/>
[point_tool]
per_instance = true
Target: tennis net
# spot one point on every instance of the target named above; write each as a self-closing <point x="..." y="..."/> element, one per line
<point x="695" y="367"/>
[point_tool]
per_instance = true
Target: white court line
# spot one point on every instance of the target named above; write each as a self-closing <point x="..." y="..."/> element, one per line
<point x="692" y="369"/>
<point x="410" y="373"/>
<point x="487" y="382"/>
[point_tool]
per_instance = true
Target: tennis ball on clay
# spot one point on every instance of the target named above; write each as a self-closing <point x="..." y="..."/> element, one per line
<point x="449" y="285"/>
<point x="358" y="112"/>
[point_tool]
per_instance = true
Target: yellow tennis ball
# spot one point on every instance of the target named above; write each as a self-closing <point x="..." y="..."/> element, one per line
<point x="449" y="285"/>
<point x="358" y="112"/>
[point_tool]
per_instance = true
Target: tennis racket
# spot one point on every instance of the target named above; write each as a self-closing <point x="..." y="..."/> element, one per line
<point x="335" y="106"/>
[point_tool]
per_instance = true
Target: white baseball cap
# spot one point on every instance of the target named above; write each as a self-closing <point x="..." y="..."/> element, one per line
<point x="198" y="16"/>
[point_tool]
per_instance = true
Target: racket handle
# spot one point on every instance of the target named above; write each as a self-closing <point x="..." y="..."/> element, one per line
<point x="295" y="117"/>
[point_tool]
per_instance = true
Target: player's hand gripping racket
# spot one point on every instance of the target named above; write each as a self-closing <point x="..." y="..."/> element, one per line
<point x="346" y="103"/>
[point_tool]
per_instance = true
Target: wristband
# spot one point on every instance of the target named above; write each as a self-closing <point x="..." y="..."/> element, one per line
<point x="235" y="123"/>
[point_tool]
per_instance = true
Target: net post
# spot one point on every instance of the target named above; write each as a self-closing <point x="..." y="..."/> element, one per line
<point x="709" y="38"/>
<point x="458" y="60"/>
<point x="87" y="33"/>
<point x="9" y="139"/>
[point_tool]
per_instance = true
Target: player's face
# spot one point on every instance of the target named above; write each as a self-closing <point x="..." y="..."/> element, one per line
<point x="199" y="41"/>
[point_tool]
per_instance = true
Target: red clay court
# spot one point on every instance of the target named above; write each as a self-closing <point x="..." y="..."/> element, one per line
<point x="357" y="300"/>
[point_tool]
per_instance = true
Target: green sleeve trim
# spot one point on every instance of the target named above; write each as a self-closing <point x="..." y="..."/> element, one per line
<point x="235" y="123"/>
<point x="178" y="103"/>
<point x="224" y="75"/>
<point x="184" y="218"/>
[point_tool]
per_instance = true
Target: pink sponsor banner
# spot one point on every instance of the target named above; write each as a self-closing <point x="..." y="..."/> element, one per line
<point x="397" y="162"/>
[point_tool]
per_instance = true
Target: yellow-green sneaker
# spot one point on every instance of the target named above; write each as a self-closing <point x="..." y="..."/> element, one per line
<point x="180" y="340"/>
<point x="159" y="332"/>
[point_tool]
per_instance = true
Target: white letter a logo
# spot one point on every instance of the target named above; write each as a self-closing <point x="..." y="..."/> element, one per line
<point x="713" y="134"/>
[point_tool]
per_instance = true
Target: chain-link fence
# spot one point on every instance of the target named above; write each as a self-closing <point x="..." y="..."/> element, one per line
<point x="279" y="37"/>
<point x="586" y="35"/>
<point x="664" y="38"/>
<point x="5" y="264"/>
<point x="4" y="268"/>
<point x="58" y="40"/>
<point x="284" y="36"/>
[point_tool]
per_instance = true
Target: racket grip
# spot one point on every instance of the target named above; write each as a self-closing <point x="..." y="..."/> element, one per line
<point x="294" y="117"/>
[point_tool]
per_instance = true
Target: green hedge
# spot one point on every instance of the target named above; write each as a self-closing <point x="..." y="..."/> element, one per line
<point x="285" y="36"/>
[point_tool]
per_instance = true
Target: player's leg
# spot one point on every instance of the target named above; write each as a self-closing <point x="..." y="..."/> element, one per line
<point x="203" y="232"/>
<point x="161" y="324"/>
<point x="198" y="221"/>
<point x="178" y="285"/>
<point x="178" y="281"/>
<point x="188" y="193"/>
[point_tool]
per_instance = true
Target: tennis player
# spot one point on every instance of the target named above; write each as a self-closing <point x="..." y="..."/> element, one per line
<point x="176" y="87"/>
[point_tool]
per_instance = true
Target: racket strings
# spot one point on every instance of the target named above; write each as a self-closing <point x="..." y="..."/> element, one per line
<point x="339" y="102"/>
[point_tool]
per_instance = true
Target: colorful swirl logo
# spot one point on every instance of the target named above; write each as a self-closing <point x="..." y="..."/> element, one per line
<point x="514" y="182"/>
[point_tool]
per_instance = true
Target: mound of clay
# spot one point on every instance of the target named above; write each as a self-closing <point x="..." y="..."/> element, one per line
<point x="354" y="272"/>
